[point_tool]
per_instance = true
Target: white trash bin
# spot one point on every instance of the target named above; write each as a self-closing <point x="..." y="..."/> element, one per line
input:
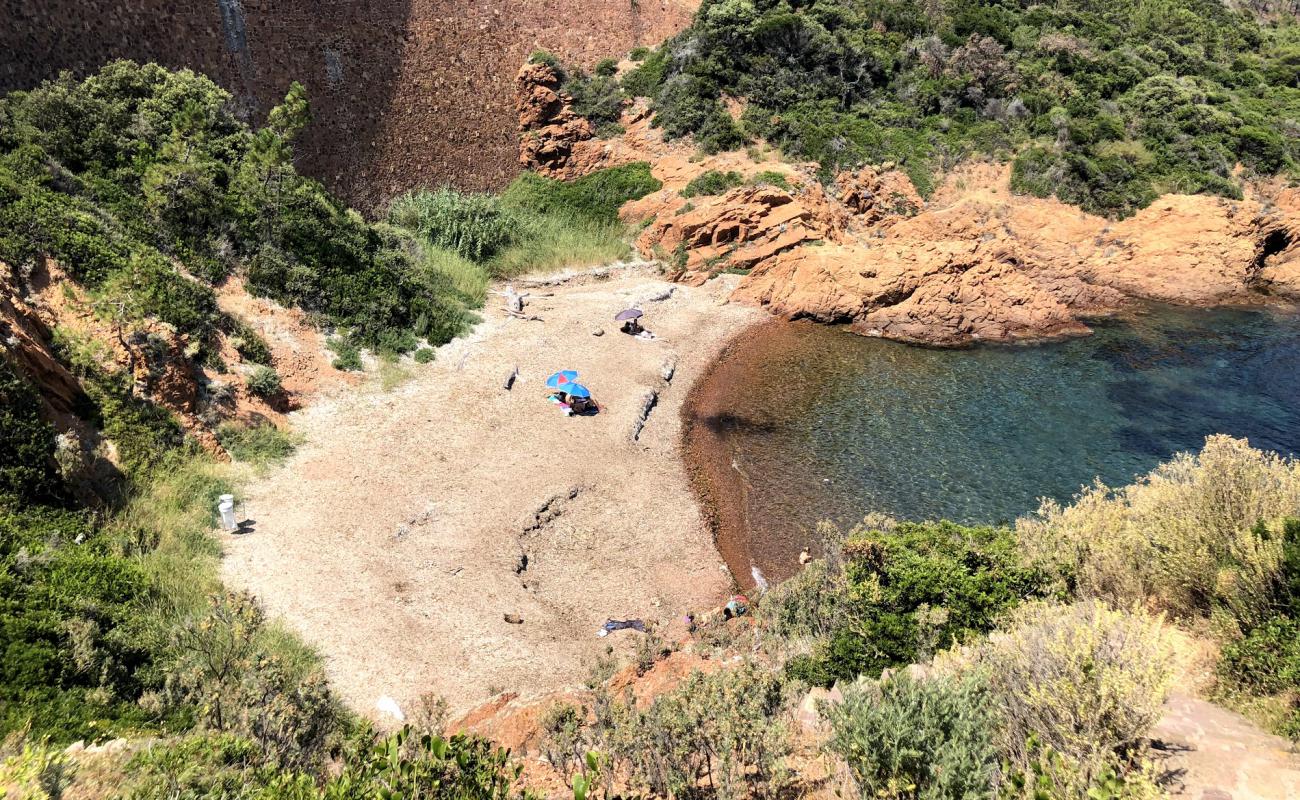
<point x="226" y="508"/>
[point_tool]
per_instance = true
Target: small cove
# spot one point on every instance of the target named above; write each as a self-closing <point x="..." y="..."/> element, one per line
<point x="800" y="422"/>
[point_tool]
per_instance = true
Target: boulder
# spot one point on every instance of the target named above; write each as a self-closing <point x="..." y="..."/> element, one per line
<point x="553" y="140"/>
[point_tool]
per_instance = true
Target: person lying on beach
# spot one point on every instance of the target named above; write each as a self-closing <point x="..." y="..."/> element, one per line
<point x="563" y="401"/>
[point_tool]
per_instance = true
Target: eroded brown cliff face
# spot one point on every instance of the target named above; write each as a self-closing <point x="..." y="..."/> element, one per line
<point x="404" y="93"/>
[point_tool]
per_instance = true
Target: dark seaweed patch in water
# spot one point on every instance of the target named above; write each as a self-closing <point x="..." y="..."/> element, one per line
<point x="833" y="425"/>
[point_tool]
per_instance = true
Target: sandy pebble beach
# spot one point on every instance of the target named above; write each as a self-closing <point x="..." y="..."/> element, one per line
<point x="410" y="523"/>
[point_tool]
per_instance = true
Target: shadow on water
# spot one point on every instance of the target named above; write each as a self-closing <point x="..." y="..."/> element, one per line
<point x="980" y="435"/>
<point x="726" y="423"/>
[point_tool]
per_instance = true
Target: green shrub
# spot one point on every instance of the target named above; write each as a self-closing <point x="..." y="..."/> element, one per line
<point x="638" y="54"/>
<point x="903" y="738"/>
<point x="220" y="664"/>
<point x="712" y="182"/>
<point x="347" y="356"/>
<point x="150" y="287"/>
<point x="595" y="198"/>
<point x="685" y="105"/>
<point x="597" y="97"/>
<point x="645" y="78"/>
<point x="432" y="766"/>
<point x="257" y="444"/>
<point x="67" y="602"/>
<point x="1287" y="593"/>
<point x="899" y="594"/>
<point x="146" y="435"/>
<point x="424" y="355"/>
<point x="158" y="180"/>
<point x="1084" y="680"/>
<point x="543" y="57"/>
<point x="473" y="226"/>
<point x="1113" y="104"/>
<point x="725" y="727"/>
<point x="564" y="742"/>
<point x="27" y="467"/>
<point x="1262" y="668"/>
<point x="264" y="382"/>
<point x="1267" y="660"/>
<point x="1186" y="536"/>
<point x="771" y="178"/>
<point x="248" y="343"/>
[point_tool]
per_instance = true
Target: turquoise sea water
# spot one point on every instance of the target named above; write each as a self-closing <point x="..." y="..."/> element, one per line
<point x="828" y="425"/>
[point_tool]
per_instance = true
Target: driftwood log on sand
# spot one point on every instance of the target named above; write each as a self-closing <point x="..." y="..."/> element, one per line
<point x="648" y="401"/>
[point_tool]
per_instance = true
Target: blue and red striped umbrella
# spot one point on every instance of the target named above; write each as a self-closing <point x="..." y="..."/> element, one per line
<point x="562" y="379"/>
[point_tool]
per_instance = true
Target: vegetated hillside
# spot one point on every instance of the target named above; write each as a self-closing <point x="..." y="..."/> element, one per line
<point x="136" y="210"/>
<point x="1107" y="104"/>
<point x="406" y="93"/>
<point x="125" y="199"/>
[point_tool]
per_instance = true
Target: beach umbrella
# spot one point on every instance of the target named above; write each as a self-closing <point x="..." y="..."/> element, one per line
<point x="577" y="390"/>
<point x="562" y="379"/>
<point x="631" y="313"/>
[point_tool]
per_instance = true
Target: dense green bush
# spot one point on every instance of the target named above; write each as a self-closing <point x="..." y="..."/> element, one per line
<point x="247" y="342"/>
<point x="1112" y="102"/>
<point x="139" y="174"/>
<point x="27" y="468"/>
<point x="712" y="182"/>
<point x="70" y="667"/>
<point x="264" y="382"/>
<point x="471" y="225"/>
<point x="900" y="594"/>
<point x="1267" y="660"/>
<point x="594" y="198"/>
<point x="347" y="356"/>
<point x="598" y="96"/>
<point x="1084" y="680"/>
<point x="256" y="444"/>
<point x="725" y="728"/>
<point x="147" y="286"/>
<point x="644" y="80"/>
<point x="929" y="740"/>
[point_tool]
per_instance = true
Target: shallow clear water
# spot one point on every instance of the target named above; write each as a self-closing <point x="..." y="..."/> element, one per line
<point x="823" y="424"/>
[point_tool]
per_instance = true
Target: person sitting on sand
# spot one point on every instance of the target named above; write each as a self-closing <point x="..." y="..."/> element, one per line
<point x="632" y="327"/>
<point x="582" y="405"/>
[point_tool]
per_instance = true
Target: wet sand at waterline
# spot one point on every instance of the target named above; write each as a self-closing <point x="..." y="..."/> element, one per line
<point x="392" y="540"/>
<point x="711" y="418"/>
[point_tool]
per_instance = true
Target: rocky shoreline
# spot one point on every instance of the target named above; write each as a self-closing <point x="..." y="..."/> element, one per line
<point x="973" y="262"/>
